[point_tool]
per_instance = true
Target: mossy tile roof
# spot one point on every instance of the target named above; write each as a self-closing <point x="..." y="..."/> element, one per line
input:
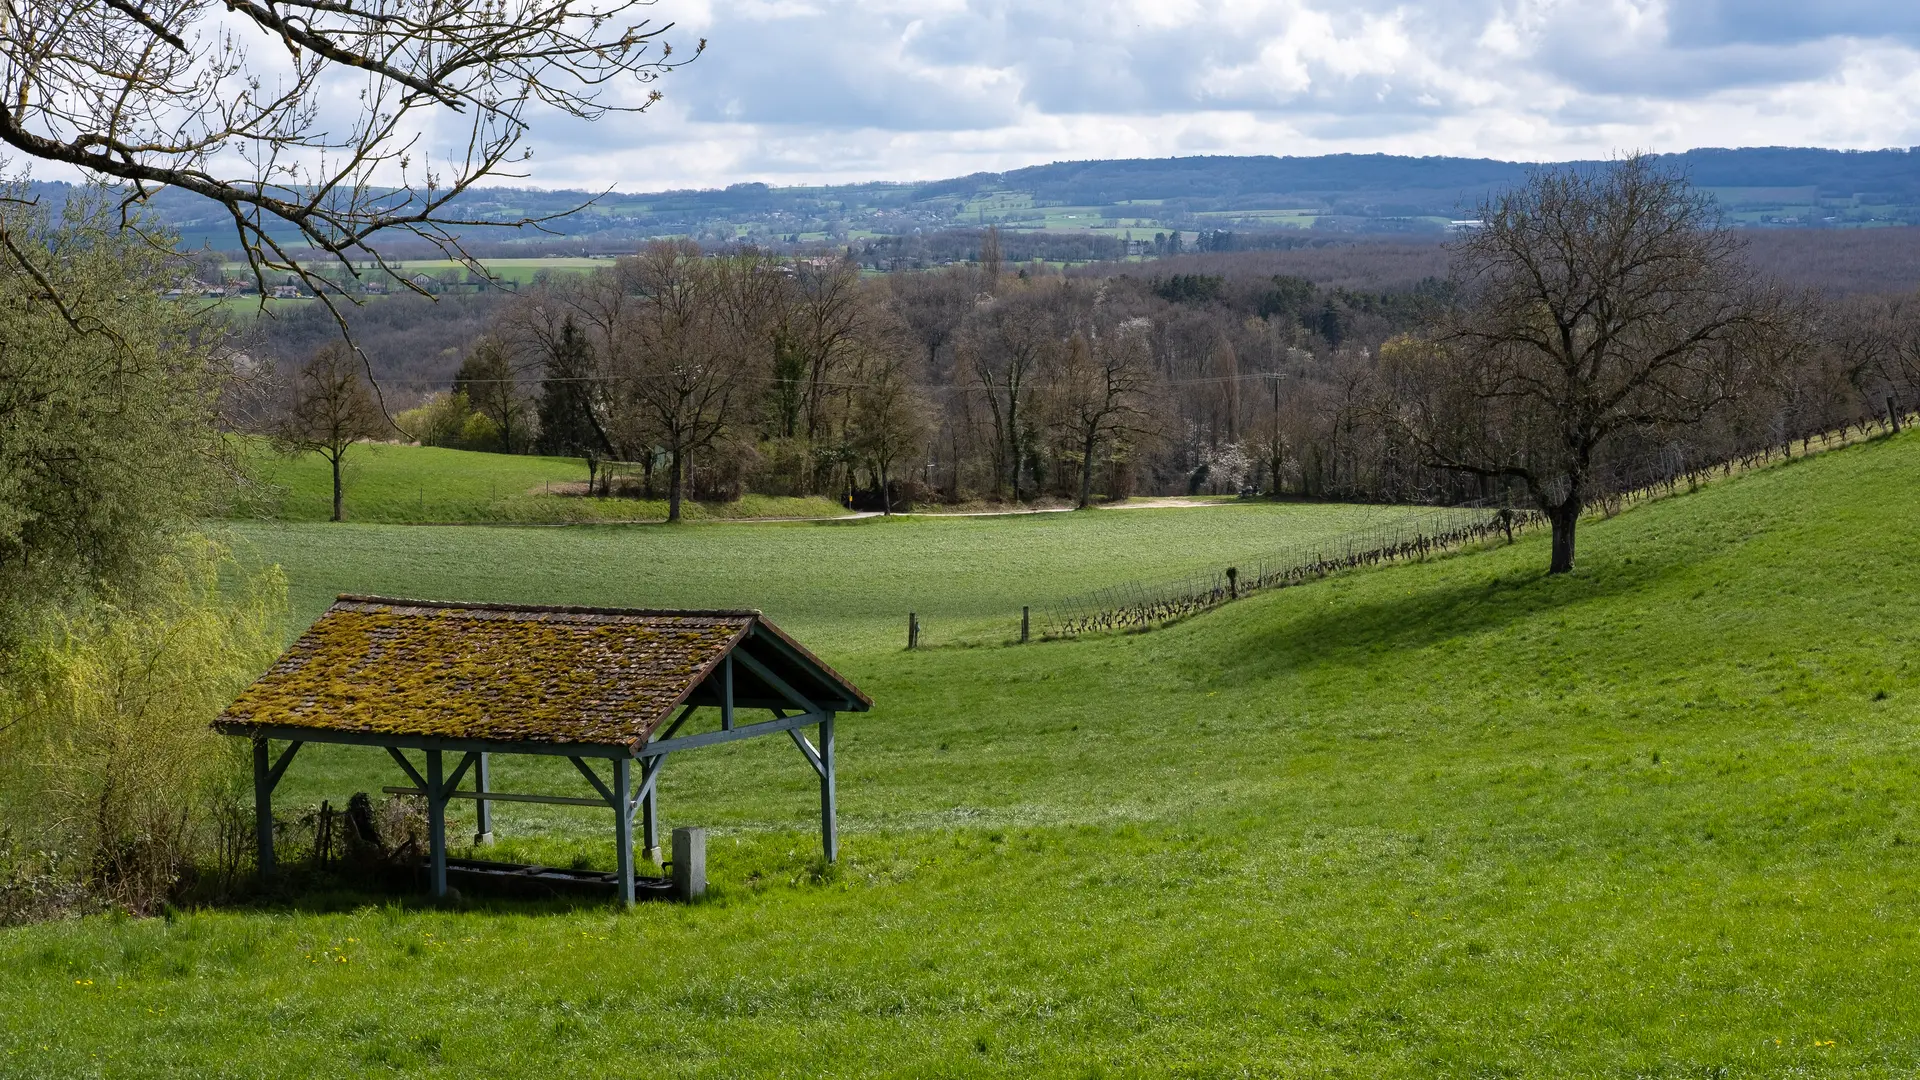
<point x="499" y="673"/>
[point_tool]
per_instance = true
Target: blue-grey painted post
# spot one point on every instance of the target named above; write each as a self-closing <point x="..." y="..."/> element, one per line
<point x="650" y="818"/>
<point x="829" y="829"/>
<point x="726" y="695"/>
<point x="483" y="810"/>
<point x="623" y="826"/>
<point x="436" y="825"/>
<point x="263" y="807"/>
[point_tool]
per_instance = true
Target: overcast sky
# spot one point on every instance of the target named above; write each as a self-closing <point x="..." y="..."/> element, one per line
<point x="807" y="91"/>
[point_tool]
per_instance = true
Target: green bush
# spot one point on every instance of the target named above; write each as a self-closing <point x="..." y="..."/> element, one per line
<point x="114" y="789"/>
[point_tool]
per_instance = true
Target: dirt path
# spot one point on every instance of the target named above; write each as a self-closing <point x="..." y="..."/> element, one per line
<point x="856" y="515"/>
<point x="1162" y="502"/>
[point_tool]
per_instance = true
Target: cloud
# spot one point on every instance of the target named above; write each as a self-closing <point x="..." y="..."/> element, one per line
<point x="806" y="91"/>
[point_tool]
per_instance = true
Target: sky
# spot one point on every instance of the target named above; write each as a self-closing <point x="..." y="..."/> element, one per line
<point x="819" y="91"/>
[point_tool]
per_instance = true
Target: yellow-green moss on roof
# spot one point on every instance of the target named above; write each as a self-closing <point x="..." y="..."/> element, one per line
<point x="495" y="673"/>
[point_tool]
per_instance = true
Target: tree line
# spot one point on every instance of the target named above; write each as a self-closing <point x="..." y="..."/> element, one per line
<point x="1601" y="321"/>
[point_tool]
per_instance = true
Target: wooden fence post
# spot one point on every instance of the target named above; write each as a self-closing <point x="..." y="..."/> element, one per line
<point x="913" y="630"/>
<point x="1023" y="624"/>
<point x="1233" y="583"/>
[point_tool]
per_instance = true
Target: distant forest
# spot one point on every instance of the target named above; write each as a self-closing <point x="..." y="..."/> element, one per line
<point x="1244" y="370"/>
<point x="416" y="344"/>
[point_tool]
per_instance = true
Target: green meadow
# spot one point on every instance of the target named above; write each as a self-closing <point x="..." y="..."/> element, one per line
<point x="1654" y="818"/>
<point x="398" y="483"/>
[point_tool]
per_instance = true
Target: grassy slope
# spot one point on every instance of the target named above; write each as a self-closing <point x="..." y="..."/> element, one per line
<point x="843" y="584"/>
<point x="406" y="484"/>
<point x="1656" y="818"/>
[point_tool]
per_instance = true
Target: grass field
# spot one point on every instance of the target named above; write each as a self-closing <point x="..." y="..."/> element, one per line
<point x="1655" y="818"/>
<point x="848" y="583"/>
<point x="414" y="484"/>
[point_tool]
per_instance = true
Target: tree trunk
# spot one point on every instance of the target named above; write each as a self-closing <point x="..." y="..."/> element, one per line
<point x="886" y="500"/>
<point x="1564" y="518"/>
<point x="337" y="515"/>
<point x="1086" y="471"/>
<point x="673" y="488"/>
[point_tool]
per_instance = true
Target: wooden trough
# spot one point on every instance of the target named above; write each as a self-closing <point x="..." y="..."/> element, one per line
<point x="588" y="684"/>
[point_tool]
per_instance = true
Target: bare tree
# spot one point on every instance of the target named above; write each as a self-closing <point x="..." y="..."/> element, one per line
<point x="1101" y="394"/>
<point x="332" y="408"/>
<point x="890" y="415"/>
<point x="933" y="305"/>
<point x="491" y="384"/>
<point x="1005" y="350"/>
<point x="817" y="324"/>
<point x="165" y="93"/>
<point x="1602" y="305"/>
<point x="683" y="368"/>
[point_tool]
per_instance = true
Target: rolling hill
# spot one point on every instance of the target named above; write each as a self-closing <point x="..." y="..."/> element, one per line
<point x="1091" y="207"/>
<point x="1654" y="818"/>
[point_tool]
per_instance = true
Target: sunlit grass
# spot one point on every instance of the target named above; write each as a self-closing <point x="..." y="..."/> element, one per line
<point x="1655" y="818"/>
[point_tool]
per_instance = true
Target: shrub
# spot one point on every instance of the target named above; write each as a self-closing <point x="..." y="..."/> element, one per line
<point x="112" y="783"/>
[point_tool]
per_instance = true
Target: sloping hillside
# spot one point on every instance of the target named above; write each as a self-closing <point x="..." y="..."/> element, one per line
<point x="1657" y="818"/>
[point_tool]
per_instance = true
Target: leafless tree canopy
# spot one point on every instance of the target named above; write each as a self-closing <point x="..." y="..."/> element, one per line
<point x="239" y="101"/>
<point x="1598" y="306"/>
<point x="329" y="410"/>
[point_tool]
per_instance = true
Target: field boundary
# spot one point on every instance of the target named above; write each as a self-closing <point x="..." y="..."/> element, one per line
<point x="1142" y="605"/>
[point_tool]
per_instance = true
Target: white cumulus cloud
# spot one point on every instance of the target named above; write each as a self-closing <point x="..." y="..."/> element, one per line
<point x="811" y="91"/>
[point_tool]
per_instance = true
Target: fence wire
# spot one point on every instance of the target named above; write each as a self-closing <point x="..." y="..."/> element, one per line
<point x="1138" y="604"/>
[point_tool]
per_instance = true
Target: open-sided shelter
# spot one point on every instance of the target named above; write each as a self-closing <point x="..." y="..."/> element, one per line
<point x="587" y="684"/>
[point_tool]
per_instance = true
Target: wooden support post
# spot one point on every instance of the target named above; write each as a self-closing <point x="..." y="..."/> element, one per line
<point x="1024" y="624"/>
<point x="650" y="812"/>
<point x="623" y="827"/>
<point x="483" y="810"/>
<point x="1233" y="583"/>
<point x="829" y="827"/>
<point x="913" y="630"/>
<point x="436" y="825"/>
<point x="726" y="693"/>
<point x="263" y="808"/>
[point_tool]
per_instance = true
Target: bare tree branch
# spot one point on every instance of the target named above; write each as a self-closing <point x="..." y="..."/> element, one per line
<point x="166" y="93"/>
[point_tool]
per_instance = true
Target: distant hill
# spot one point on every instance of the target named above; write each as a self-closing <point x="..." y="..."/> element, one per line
<point x="1113" y="201"/>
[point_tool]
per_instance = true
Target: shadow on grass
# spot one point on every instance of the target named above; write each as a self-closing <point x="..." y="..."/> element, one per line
<point x="310" y="893"/>
<point x="1312" y="629"/>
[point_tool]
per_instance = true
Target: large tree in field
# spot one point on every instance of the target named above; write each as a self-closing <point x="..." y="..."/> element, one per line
<point x="331" y="409"/>
<point x="172" y="93"/>
<point x="1603" y="308"/>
